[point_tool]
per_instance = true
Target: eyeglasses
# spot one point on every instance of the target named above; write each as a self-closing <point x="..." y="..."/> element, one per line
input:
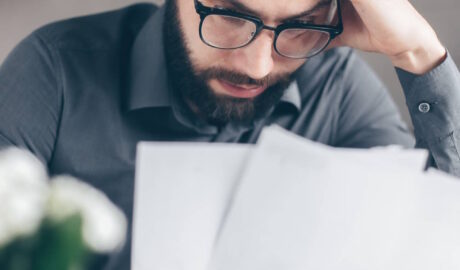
<point x="227" y="29"/>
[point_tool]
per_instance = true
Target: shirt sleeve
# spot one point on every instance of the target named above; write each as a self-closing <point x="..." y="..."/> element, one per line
<point x="433" y="100"/>
<point x="30" y="99"/>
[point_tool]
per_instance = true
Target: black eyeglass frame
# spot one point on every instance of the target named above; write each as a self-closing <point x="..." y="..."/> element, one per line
<point x="333" y="31"/>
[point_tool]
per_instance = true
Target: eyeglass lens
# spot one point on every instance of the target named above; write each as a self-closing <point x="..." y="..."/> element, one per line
<point x="300" y="43"/>
<point x="229" y="32"/>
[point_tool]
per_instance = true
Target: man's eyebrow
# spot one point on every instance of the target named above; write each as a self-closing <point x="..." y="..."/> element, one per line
<point x="320" y="5"/>
<point x="237" y="5"/>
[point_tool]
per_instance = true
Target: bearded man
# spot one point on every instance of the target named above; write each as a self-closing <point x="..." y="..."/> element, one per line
<point x="81" y="93"/>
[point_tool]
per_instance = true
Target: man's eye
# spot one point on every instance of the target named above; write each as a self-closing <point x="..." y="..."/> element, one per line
<point x="233" y="20"/>
<point x="293" y="34"/>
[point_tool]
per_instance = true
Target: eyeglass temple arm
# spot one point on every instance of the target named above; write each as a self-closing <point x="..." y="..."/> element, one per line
<point x="339" y="16"/>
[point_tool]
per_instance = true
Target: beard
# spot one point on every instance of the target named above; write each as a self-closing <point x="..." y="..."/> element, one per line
<point x="191" y="84"/>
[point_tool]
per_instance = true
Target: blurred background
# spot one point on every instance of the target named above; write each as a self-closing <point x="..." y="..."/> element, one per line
<point x="19" y="17"/>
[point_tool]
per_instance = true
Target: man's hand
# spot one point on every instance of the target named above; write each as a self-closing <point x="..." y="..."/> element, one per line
<point x="393" y="28"/>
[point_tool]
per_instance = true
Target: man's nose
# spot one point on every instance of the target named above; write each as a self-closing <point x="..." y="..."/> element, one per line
<point x="256" y="59"/>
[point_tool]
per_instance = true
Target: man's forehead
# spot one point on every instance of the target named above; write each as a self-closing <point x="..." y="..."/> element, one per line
<point x="274" y="9"/>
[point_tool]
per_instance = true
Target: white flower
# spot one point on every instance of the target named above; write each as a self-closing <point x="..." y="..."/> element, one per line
<point x="23" y="194"/>
<point x="104" y="225"/>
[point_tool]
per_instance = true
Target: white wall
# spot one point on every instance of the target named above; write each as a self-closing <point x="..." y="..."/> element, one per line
<point x="19" y="17"/>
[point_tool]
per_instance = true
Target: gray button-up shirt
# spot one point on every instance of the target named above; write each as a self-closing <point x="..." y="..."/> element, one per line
<point x="81" y="94"/>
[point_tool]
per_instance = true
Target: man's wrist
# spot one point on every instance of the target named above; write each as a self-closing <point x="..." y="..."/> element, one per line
<point x="421" y="60"/>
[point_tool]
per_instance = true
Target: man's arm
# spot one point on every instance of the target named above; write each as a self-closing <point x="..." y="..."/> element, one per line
<point x="430" y="79"/>
<point x="392" y="28"/>
<point x="30" y="98"/>
<point x="369" y="117"/>
<point x="433" y="100"/>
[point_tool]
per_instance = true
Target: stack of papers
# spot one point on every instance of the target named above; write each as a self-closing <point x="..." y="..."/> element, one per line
<point x="289" y="203"/>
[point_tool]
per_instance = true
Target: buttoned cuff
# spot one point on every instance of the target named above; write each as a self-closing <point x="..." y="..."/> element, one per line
<point x="433" y="100"/>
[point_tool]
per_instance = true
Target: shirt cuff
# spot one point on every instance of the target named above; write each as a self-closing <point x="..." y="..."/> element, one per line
<point x="433" y="100"/>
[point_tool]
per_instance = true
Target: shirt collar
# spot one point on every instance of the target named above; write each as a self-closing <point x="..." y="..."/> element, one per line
<point x="148" y="73"/>
<point x="292" y="95"/>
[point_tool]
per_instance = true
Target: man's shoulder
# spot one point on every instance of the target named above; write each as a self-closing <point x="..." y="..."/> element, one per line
<point x="100" y="31"/>
<point x="331" y="67"/>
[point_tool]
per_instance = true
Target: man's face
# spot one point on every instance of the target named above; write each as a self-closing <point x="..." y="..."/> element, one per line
<point x="229" y="85"/>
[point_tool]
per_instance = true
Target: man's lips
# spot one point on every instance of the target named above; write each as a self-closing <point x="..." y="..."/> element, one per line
<point x="241" y="91"/>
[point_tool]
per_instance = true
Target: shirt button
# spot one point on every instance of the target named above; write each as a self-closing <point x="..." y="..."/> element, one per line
<point x="424" y="107"/>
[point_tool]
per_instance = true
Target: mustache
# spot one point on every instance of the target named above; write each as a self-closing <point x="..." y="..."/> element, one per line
<point x="240" y="78"/>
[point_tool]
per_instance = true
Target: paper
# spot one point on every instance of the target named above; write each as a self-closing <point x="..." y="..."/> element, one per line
<point x="181" y="194"/>
<point x="305" y="206"/>
<point x="291" y="204"/>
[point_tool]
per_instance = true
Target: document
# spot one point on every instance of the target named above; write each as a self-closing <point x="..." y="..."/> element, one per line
<point x="301" y="205"/>
<point x="289" y="203"/>
<point x="181" y="195"/>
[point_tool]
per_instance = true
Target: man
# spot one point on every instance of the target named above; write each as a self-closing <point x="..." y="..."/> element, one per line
<point x="81" y="93"/>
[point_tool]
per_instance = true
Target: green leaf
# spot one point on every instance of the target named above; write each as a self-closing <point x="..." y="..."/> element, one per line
<point x="55" y="246"/>
<point x="61" y="245"/>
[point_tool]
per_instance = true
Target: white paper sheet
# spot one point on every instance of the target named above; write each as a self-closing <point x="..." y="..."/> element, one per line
<point x="181" y="194"/>
<point x="290" y="146"/>
<point x="305" y="206"/>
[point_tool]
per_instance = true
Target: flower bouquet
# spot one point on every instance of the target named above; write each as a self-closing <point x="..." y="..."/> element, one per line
<point x="52" y="224"/>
